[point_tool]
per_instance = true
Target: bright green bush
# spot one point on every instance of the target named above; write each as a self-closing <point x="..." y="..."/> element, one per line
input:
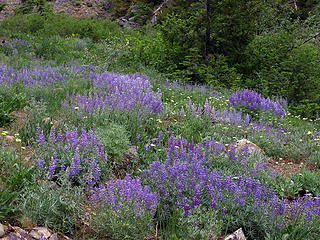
<point x="50" y="24"/>
<point x="55" y="207"/>
<point x="115" y="140"/>
<point x="278" y="65"/>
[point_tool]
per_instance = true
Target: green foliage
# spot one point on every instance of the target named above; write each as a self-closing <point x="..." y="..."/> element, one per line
<point x="278" y="67"/>
<point x="11" y="99"/>
<point x="140" y="12"/>
<point x="310" y="181"/>
<point x="59" y="49"/>
<point x="29" y="6"/>
<point x="7" y="209"/>
<point x="287" y="187"/>
<point x="121" y="224"/>
<point x="115" y="140"/>
<point x="2" y="6"/>
<point x="49" y="48"/>
<point x="201" y="223"/>
<point x="54" y="207"/>
<point x="35" y="118"/>
<point x="271" y="145"/>
<point x="15" y="178"/>
<point x="50" y="24"/>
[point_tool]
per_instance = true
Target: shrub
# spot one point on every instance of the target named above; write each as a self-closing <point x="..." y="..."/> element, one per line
<point x="2" y="6"/>
<point x="55" y="207"/>
<point x="279" y="68"/>
<point x="124" y="209"/>
<point x="78" y="157"/>
<point x="114" y="138"/>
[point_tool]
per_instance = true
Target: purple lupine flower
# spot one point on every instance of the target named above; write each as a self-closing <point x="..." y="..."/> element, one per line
<point x="35" y="74"/>
<point x="182" y="111"/>
<point x="75" y="167"/>
<point x="97" y="174"/>
<point x="124" y="92"/>
<point x="138" y="136"/>
<point x="185" y="172"/>
<point x="40" y="162"/>
<point x="52" y="165"/>
<point x="75" y="154"/>
<point x="118" y="193"/>
<point x="52" y="136"/>
<point x="40" y="136"/>
<point x="254" y="100"/>
<point x="59" y="136"/>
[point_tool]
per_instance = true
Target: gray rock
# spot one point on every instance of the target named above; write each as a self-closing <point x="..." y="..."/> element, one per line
<point x="237" y="235"/>
<point x="131" y="154"/>
<point x="244" y="143"/>
<point x="35" y="234"/>
<point x="133" y="151"/>
<point x="43" y="232"/>
<point x="20" y="231"/>
<point x="54" y="237"/>
<point x="2" y="231"/>
<point x="123" y="22"/>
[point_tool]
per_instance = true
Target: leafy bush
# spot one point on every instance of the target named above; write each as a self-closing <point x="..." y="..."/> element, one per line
<point x="55" y="207"/>
<point x="15" y="178"/>
<point x="200" y="223"/>
<point x="310" y="181"/>
<point x="11" y="99"/>
<point x="29" y="6"/>
<point x="2" y="6"/>
<point x="140" y="12"/>
<point x="76" y="155"/>
<point x="115" y="140"/>
<point x="50" y="24"/>
<point x="124" y="209"/>
<point x="280" y="68"/>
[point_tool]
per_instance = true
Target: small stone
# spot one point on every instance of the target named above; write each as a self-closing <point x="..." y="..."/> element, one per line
<point x="10" y="138"/>
<point x="237" y="235"/>
<point x="244" y="143"/>
<point x="20" y="230"/>
<point x="42" y="231"/>
<point x="2" y="231"/>
<point x="35" y="234"/>
<point x="133" y="150"/>
<point x="46" y="120"/>
<point x="54" y="237"/>
<point x="123" y="22"/>
<point x="65" y="237"/>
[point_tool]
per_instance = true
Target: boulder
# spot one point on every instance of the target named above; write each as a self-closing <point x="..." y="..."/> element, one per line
<point x="20" y="231"/>
<point x="43" y="232"/>
<point x="10" y="138"/>
<point x="237" y="235"/>
<point x="54" y="237"/>
<point x="2" y="231"/>
<point x="245" y="143"/>
<point x="123" y="22"/>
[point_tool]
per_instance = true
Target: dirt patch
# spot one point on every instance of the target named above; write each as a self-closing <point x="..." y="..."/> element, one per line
<point x="21" y="118"/>
<point x="168" y="119"/>
<point x="288" y="167"/>
<point x="81" y="9"/>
